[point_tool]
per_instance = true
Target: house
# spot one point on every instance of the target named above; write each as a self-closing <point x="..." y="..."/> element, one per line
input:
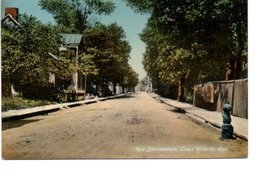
<point x="75" y="90"/>
<point x="11" y="18"/>
<point x="77" y="87"/>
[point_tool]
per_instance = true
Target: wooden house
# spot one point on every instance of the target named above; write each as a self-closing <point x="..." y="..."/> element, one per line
<point x="76" y="89"/>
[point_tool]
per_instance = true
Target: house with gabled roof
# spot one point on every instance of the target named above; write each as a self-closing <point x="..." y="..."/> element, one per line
<point x="11" y="18"/>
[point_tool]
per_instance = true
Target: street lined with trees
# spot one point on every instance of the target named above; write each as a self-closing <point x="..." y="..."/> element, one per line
<point x="31" y="52"/>
<point x="187" y="43"/>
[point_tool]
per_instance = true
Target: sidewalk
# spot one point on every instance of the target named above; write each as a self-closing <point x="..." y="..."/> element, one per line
<point x="29" y="112"/>
<point x="212" y="117"/>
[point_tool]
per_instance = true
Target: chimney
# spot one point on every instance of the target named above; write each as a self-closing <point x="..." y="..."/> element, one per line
<point x="12" y="11"/>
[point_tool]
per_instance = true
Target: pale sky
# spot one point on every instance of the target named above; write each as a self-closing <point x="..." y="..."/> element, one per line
<point x="132" y="23"/>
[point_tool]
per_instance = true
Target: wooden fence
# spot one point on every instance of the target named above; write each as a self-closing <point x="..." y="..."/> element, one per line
<point x="213" y="95"/>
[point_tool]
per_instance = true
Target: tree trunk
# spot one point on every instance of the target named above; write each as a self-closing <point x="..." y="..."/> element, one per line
<point x="181" y="89"/>
<point x="114" y="87"/>
<point x="97" y="89"/>
<point x="237" y="68"/>
<point x="6" y="88"/>
<point x="238" y="58"/>
<point x="85" y="84"/>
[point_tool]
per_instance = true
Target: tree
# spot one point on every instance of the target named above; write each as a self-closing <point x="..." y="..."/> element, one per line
<point x="25" y="53"/>
<point x="184" y="36"/>
<point x="108" y="50"/>
<point x="11" y="52"/>
<point x="75" y="14"/>
<point x="130" y="79"/>
<point x="64" y="66"/>
<point x="235" y="13"/>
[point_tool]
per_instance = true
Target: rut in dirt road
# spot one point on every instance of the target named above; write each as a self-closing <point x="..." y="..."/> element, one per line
<point x="133" y="127"/>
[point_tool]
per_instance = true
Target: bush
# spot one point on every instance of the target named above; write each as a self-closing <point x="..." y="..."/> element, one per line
<point x="14" y="103"/>
<point x="48" y="92"/>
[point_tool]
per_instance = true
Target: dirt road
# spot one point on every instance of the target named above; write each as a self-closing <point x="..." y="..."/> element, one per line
<point x="133" y="127"/>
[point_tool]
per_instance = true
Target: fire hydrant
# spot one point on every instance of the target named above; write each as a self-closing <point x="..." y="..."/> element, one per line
<point x="227" y="129"/>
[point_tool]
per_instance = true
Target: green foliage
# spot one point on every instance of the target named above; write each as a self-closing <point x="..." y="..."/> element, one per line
<point x="11" y="52"/>
<point x="87" y="65"/>
<point x="131" y="78"/>
<point x="143" y="6"/>
<point x="26" y="61"/>
<point x="106" y="52"/>
<point x="106" y="55"/>
<point x="193" y="40"/>
<point x="65" y="66"/>
<point x="75" y="14"/>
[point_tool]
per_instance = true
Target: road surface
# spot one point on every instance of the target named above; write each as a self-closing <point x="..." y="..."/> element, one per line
<point x="137" y="126"/>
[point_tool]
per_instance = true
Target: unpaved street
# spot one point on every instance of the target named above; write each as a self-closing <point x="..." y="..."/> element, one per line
<point x="133" y="127"/>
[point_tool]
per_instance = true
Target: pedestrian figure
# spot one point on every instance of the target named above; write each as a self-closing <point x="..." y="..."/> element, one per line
<point x="228" y="72"/>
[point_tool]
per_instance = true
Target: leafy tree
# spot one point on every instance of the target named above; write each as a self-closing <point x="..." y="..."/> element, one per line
<point x="87" y="65"/>
<point x="130" y="79"/>
<point x="11" y="52"/>
<point x="65" y="66"/>
<point x="108" y="50"/>
<point x="182" y="37"/>
<point x="25" y="56"/>
<point x="75" y="14"/>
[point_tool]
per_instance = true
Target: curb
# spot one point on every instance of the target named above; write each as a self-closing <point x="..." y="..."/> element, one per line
<point x="41" y="110"/>
<point x="201" y="119"/>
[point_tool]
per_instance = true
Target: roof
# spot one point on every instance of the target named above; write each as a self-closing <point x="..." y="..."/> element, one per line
<point x="10" y="21"/>
<point x="71" y="39"/>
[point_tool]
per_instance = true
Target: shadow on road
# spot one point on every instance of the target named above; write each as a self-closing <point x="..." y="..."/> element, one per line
<point x="17" y="123"/>
<point x="178" y="110"/>
<point x="123" y="97"/>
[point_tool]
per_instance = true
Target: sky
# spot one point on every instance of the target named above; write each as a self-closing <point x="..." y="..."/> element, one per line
<point x="132" y="23"/>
